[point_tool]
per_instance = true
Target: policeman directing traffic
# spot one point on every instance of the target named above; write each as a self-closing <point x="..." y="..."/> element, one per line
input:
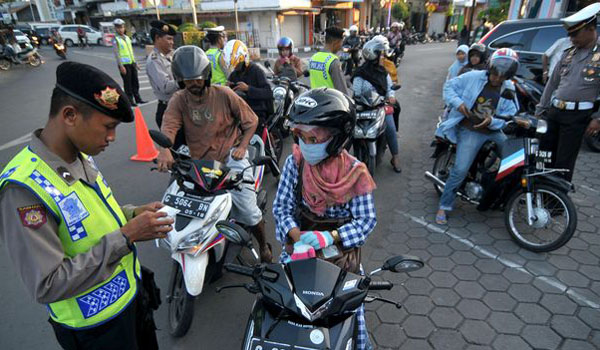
<point x="570" y="97"/>
<point x="69" y="239"/>
<point x="217" y="39"/>
<point x="123" y="51"/>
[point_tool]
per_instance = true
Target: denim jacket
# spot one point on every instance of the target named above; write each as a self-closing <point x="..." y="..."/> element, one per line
<point x="465" y="89"/>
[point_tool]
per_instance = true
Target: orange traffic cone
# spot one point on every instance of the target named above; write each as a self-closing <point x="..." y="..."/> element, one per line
<point x="146" y="151"/>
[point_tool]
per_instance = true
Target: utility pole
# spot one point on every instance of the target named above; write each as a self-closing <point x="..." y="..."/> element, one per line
<point x="237" y="25"/>
<point x="31" y="8"/>
<point x="193" y="3"/>
<point x="471" y="20"/>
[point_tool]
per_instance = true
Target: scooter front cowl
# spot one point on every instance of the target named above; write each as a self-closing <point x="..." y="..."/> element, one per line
<point x="194" y="270"/>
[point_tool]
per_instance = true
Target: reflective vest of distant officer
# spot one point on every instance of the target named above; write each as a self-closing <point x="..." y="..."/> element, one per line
<point x="128" y="68"/>
<point x="216" y="37"/>
<point x="325" y="68"/>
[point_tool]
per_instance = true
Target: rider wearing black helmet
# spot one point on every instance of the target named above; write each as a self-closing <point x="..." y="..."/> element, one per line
<point x="218" y="125"/>
<point x="324" y="205"/>
<point x="477" y="59"/>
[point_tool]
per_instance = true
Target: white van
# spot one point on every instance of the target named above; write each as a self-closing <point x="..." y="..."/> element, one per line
<point x="69" y="34"/>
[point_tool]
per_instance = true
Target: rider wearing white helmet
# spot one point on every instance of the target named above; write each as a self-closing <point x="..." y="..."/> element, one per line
<point x="353" y="41"/>
<point x="123" y="51"/>
<point x="248" y="79"/>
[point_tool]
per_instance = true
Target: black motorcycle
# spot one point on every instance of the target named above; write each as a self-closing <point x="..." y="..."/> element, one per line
<point x="538" y="213"/>
<point x="350" y="58"/>
<point x="142" y="39"/>
<point x="307" y="304"/>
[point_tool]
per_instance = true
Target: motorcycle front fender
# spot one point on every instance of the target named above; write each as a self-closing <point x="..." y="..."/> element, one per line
<point x="194" y="270"/>
<point x="555" y="181"/>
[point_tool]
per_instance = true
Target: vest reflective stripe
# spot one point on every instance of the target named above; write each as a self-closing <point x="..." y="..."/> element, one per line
<point x="84" y="215"/>
<point x="319" y="70"/>
<point x="125" y="49"/>
<point x="218" y="76"/>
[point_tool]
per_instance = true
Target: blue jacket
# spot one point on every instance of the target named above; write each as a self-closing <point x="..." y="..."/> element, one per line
<point x="465" y="89"/>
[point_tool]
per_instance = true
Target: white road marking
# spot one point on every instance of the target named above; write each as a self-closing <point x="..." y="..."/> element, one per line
<point x="110" y="58"/>
<point x="147" y="103"/>
<point x="589" y="188"/>
<point x="16" y="142"/>
<point x="146" y="88"/>
<point x="506" y="262"/>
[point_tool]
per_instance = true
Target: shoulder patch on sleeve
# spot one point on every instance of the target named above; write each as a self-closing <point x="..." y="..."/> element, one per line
<point x="33" y="216"/>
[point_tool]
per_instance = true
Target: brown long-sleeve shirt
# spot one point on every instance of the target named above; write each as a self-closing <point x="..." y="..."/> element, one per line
<point x="37" y="253"/>
<point x="213" y="123"/>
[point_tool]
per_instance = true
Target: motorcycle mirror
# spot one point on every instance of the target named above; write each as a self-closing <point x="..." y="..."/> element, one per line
<point x="161" y="139"/>
<point x="401" y="263"/>
<point x="267" y="64"/>
<point x="233" y="232"/>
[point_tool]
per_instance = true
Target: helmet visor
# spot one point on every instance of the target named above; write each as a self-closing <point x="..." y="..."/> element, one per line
<point x="506" y="67"/>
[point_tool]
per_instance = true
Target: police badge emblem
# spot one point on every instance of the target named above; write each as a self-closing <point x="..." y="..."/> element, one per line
<point x="72" y="209"/>
<point x="33" y="216"/>
<point x="108" y="98"/>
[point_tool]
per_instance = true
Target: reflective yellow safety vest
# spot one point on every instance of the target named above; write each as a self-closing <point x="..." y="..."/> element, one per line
<point x="125" y="49"/>
<point x="319" y="70"/>
<point x="84" y="215"/>
<point x="218" y="76"/>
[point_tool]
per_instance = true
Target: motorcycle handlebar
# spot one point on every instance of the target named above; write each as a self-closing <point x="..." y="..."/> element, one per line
<point x="239" y="269"/>
<point x="381" y="285"/>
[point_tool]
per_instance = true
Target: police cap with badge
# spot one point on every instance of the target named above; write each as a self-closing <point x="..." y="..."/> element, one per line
<point x="581" y="18"/>
<point x="95" y="88"/>
<point x="160" y="28"/>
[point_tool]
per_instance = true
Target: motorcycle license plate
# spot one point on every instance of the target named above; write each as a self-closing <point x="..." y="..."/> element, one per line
<point x="187" y="206"/>
<point x="258" y="344"/>
<point x="543" y="157"/>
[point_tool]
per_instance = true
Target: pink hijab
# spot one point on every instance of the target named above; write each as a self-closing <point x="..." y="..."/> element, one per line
<point x="334" y="181"/>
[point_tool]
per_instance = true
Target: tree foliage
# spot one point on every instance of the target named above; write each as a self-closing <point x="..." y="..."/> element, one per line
<point x="497" y="14"/>
<point x="400" y="11"/>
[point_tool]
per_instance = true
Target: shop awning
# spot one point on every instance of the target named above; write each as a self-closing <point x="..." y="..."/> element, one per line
<point x="300" y="11"/>
<point x="339" y="6"/>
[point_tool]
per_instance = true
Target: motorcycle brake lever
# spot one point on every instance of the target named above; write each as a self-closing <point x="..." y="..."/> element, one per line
<point x="241" y="285"/>
<point x="372" y="298"/>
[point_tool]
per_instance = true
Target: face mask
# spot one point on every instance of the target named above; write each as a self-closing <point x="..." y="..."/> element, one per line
<point x="314" y="153"/>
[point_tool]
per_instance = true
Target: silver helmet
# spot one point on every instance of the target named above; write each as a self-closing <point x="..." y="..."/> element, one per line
<point x="190" y="63"/>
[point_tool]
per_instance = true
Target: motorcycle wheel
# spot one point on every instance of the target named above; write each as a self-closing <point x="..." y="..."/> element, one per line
<point x="593" y="142"/>
<point x="181" y="304"/>
<point x="441" y="168"/>
<point x="557" y="219"/>
<point x="35" y="60"/>
<point x="4" y="64"/>
<point x="371" y="164"/>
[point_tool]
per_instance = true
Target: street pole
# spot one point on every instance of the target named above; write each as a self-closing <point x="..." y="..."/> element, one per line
<point x="471" y="20"/>
<point x="237" y="25"/>
<point x="31" y="8"/>
<point x="193" y="3"/>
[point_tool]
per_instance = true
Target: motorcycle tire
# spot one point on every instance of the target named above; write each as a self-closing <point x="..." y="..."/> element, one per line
<point x="35" y="60"/>
<point x="4" y="64"/>
<point x="593" y="142"/>
<point x="371" y="164"/>
<point x="567" y="207"/>
<point x="181" y="304"/>
<point x="441" y="168"/>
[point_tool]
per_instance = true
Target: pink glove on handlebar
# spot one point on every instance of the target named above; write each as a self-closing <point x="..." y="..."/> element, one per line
<point x="303" y="251"/>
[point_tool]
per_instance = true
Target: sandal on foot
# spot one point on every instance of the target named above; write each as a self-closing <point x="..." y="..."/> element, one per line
<point x="441" y="219"/>
<point x="398" y="170"/>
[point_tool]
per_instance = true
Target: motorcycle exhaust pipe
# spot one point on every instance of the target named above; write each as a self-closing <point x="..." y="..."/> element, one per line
<point x="439" y="182"/>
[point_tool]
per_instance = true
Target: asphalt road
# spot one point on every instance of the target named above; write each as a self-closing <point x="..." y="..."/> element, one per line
<point x="479" y="290"/>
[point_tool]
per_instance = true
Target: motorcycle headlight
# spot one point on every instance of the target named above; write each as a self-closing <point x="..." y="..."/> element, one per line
<point x="542" y="126"/>
<point x="279" y="93"/>
<point x="200" y="236"/>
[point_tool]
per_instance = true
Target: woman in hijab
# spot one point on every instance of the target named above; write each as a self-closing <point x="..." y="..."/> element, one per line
<point x="372" y="76"/>
<point x="477" y="59"/>
<point x="461" y="60"/>
<point x="324" y="204"/>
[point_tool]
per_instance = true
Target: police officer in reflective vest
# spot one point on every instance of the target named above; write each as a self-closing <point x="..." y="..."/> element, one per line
<point x="325" y="68"/>
<point x="69" y="239"/>
<point x="571" y="95"/>
<point x="217" y="38"/>
<point x="126" y="61"/>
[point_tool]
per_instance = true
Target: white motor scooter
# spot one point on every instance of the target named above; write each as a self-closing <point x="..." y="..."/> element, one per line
<point x="198" y="198"/>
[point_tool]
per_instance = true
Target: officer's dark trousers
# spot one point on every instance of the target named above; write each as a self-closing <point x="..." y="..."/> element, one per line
<point x="564" y="136"/>
<point x="160" y="111"/>
<point x="131" y="83"/>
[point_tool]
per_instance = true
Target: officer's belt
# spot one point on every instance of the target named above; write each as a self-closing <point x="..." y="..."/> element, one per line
<point x="572" y="106"/>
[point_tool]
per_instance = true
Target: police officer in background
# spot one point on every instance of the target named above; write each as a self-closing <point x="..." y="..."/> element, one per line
<point x="158" y="67"/>
<point x="217" y="38"/>
<point x="69" y="239"/>
<point x="569" y="97"/>
<point x="325" y="68"/>
<point x="126" y="61"/>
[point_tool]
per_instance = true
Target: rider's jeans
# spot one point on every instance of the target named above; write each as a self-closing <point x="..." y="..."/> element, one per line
<point x="390" y="134"/>
<point x="468" y="144"/>
<point x="245" y="209"/>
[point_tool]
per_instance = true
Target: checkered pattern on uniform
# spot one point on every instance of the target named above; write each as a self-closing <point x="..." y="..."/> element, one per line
<point x="8" y="173"/>
<point x="76" y="231"/>
<point x="352" y="234"/>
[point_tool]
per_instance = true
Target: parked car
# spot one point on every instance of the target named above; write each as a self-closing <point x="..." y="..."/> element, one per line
<point x="530" y="38"/>
<point x="69" y="34"/>
<point x="22" y="39"/>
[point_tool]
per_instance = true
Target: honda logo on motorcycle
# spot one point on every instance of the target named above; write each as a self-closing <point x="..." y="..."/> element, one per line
<point x="306" y="102"/>
<point x="312" y="292"/>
